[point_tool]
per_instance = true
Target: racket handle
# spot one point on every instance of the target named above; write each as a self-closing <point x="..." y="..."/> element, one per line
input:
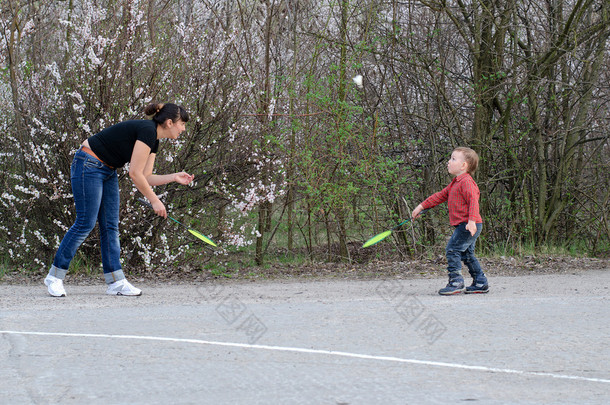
<point x="144" y="202"/>
<point x="420" y="214"/>
<point x="408" y="220"/>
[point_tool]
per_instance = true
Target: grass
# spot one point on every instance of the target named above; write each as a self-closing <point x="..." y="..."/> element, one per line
<point x="83" y="266"/>
<point x="241" y="263"/>
<point x="4" y="267"/>
<point x="229" y="266"/>
<point x="224" y="268"/>
<point x="575" y="249"/>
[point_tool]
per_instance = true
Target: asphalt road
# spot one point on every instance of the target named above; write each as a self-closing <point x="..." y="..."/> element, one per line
<point x="532" y="340"/>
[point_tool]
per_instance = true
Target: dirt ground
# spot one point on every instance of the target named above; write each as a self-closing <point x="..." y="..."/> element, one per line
<point x="410" y="269"/>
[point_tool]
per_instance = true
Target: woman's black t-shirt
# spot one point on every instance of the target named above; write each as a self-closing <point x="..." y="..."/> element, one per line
<point x="114" y="145"/>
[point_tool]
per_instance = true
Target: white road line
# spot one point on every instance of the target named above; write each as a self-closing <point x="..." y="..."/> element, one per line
<point x="314" y="351"/>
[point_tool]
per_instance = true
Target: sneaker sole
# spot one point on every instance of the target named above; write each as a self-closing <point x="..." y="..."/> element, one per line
<point x="456" y="292"/>
<point x="124" y="295"/>
<point x="477" y="292"/>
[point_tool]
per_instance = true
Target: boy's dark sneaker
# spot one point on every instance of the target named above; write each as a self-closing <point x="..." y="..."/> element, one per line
<point x="454" y="287"/>
<point x="480" y="288"/>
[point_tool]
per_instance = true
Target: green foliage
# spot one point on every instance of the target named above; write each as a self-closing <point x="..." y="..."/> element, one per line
<point x="580" y="248"/>
<point x="5" y="266"/>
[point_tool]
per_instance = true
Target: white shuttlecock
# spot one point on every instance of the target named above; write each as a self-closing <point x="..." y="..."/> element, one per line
<point x="358" y="80"/>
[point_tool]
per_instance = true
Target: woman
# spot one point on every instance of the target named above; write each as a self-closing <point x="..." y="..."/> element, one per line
<point x="96" y="189"/>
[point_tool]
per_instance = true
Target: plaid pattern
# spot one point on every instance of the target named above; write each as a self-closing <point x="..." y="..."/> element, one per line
<point x="462" y="196"/>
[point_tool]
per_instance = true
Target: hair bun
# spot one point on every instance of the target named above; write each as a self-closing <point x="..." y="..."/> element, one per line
<point x="161" y="112"/>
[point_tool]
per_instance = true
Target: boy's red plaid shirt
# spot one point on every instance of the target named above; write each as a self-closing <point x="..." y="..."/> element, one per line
<point x="462" y="196"/>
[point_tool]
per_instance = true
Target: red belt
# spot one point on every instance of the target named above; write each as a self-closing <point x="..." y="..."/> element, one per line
<point x="91" y="153"/>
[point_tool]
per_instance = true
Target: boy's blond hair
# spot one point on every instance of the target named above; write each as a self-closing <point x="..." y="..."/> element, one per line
<point x="470" y="156"/>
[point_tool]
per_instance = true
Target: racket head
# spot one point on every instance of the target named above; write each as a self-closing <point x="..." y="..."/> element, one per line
<point x="203" y="237"/>
<point x="377" y="238"/>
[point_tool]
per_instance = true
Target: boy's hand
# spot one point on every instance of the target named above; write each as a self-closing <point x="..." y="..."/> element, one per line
<point x="472" y="227"/>
<point x="417" y="211"/>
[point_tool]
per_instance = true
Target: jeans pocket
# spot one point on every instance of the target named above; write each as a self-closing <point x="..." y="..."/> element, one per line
<point x="93" y="164"/>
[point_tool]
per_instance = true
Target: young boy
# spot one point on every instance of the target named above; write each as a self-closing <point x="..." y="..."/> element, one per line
<point x="462" y="196"/>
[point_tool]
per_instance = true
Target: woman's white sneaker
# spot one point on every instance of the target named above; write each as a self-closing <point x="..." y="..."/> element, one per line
<point x="55" y="286"/>
<point x="123" y="287"/>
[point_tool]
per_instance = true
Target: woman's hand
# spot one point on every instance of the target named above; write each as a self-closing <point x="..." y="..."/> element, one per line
<point x="183" y="178"/>
<point x="159" y="208"/>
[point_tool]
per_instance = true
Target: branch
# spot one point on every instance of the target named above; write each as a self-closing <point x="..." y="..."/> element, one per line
<point x="285" y="115"/>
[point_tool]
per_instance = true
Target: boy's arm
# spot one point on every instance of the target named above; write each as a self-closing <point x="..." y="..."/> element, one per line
<point x="472" y="199"/>
<point x="471" y="195"/>
<point x="432" y="201"/>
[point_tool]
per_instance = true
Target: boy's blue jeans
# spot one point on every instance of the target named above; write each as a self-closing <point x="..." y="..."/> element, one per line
<point x="460" y="248"/>
<point x="96" y="196"/>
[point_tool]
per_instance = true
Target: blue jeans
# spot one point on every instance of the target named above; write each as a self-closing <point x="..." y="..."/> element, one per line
<point x="460" y="248"/>
<point x="96" y="196"/>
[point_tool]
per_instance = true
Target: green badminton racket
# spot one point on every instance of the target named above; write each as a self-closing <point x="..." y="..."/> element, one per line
<point x="192" y="231"/>
<point x="379" y="237"/>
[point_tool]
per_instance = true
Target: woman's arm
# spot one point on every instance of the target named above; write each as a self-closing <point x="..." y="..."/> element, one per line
<point x="140" y="165"/>
<point x="160" y="179"/>
<point x="140" y="171"/>
<point x="153" y="179"/>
